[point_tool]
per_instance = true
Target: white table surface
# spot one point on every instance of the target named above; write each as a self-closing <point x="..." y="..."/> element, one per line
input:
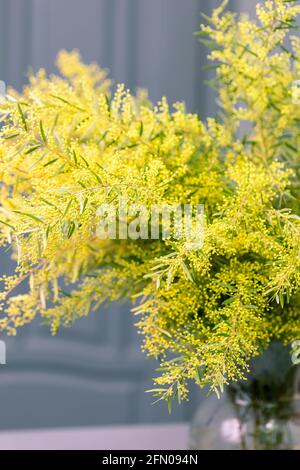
<point x="146" y="437"/>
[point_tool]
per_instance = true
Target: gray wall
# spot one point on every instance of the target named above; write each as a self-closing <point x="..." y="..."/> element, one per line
<point x="94" y="373"/>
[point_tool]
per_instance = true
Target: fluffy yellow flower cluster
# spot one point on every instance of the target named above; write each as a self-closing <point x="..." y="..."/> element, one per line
<point x="69" y="146"/>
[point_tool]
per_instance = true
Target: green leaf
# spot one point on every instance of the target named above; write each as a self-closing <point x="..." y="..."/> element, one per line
<point x="67" y="207"/>
<point x="208" y="68"/>
<point x="71" y="230"/>
<point x="187" y="272"/>
<point x="96" y="176"/>
<point x="49" y="203"/>
<point x="32" y="149"/>
<point x="207" y="18"/>
<point x="178" y="394"/>
<point x="164" y="332"/>
<point x="203" y="34"/>
<point x="169" y="402"/>
<point x="48" y="230"/>
<point x="83" y="205"/>
<point x="43" y="135"/>
<point x="31" y="216"/>
<point x="7" y="224"/>
<point x="141" y="129"/>
<point x="108" y="103"/>
<point x="12" y="136"/>
<point x="63" y="100"/>
<point x="246" y="49"/>
<point x="209" y="43"/>
<point x="198" y="375"/>
<point x="22" y="116"/>
<point x="65" y="293"/>
<point x="50" y="162"/>
<point x="75" y="157"/>
<point x="85" y="161"/>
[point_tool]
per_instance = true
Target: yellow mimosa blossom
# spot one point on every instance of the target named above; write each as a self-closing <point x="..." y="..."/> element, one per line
<point x="70" y="145"/>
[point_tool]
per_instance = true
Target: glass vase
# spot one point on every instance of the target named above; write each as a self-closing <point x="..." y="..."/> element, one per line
<point x="242" y="424"/>
<point x="261" y="413"/>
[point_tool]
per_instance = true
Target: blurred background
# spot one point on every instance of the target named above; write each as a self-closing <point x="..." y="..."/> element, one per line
<point x="94" y="373"/>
